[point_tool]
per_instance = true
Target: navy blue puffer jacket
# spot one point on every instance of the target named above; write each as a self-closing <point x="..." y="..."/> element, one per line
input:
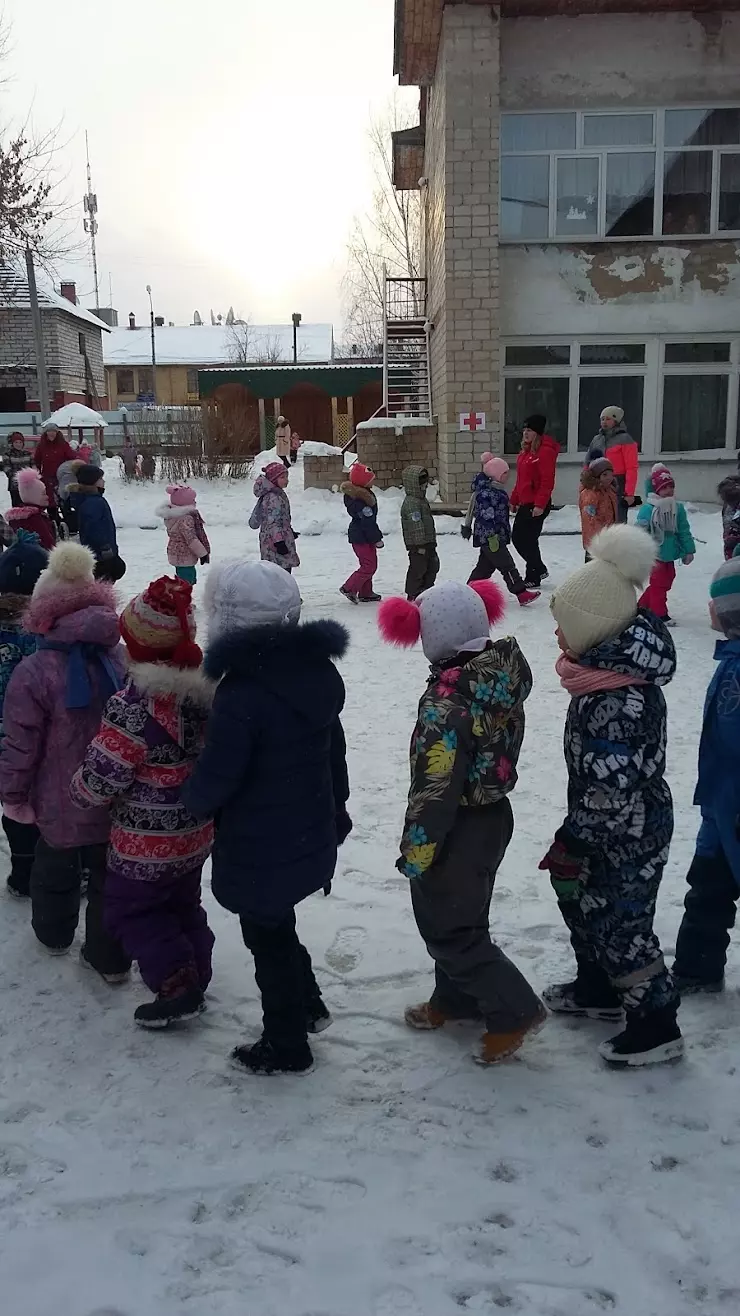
<point x="273" y="772"/>
<point x="97" y="527"/>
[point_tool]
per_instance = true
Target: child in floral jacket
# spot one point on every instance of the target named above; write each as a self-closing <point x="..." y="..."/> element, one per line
<point x="271" y="516"/>
<point x="459" y="823"/>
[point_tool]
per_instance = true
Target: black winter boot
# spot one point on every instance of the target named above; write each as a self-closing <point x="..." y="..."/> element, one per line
<point x="589" y="996"/>
<point x="166" y="1010"/>
<point x="319" y="1017"/>
<point x="263" y="1058"/>
<point x="648" y="1039"/>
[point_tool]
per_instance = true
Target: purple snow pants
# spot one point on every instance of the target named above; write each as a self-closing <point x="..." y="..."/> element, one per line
<point x="163" y="926"/>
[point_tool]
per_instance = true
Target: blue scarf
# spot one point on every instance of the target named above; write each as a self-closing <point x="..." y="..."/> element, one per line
<point x="79" y="654"/>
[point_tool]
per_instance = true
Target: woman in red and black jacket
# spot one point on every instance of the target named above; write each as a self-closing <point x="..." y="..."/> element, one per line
<point x="531" y="497"/>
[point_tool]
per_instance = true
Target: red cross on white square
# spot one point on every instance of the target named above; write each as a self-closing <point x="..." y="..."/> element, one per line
<point x="472" y="421"/>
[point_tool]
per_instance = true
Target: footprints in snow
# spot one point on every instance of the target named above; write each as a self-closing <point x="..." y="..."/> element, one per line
<point x="346" y="951"/>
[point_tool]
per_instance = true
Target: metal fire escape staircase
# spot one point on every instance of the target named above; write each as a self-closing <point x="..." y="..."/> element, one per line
<point x="406" y="375"/>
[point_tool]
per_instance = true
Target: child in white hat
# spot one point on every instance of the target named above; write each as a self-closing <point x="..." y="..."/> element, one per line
<point x="607" y="858"/>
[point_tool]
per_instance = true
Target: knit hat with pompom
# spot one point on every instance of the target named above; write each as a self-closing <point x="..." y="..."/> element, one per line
<point x="599" y="600"/>
<point x="158" y="625"/>
<point x="448" y="618"/>
<point x="181" y="495"/>
<point x="31" y="488"/>
<point x="494" y="467"/>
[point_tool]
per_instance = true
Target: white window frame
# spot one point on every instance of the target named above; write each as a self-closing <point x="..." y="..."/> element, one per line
<point x="659" y="150"/>
<point x="653" y="372"/>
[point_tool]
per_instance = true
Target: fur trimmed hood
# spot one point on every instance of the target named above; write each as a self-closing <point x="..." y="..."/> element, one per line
<point x="12" y="607"/>
<point x="360" y="492"/>
<point x="256" y="651"/>
<point x="169" y="513"/>
<point x="17" y="515"/>
<point x="157" y="679"/>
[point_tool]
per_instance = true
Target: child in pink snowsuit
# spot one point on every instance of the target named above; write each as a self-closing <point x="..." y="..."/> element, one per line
<point x="187" y="538"/>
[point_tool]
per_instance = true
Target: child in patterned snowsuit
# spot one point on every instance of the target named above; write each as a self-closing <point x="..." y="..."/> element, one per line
<point x="488" y="514"/>
<point x="145" y="751"/>
<point x="187" y="541"/>
<point x="271" y="516"/>
<point x="459" y="822"/>
<point x="607" y="859"/>
<point x="714" y="875"/>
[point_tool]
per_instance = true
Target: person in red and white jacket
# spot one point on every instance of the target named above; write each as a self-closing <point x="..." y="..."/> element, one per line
<point x="532" y="494"/>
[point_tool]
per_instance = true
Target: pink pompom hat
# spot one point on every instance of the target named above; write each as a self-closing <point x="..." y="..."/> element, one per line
<point x="447" y="618"/>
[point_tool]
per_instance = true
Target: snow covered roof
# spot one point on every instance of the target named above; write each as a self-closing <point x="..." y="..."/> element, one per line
<point x="76" y="416"/>
<point x="217" y="345"/>
<point x="14" y="295"/>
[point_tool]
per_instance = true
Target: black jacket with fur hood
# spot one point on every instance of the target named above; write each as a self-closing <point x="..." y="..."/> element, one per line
<point x="273" y="773"/>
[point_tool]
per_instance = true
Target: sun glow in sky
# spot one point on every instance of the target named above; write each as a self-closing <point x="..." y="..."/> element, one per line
<point x="227" y="140"/>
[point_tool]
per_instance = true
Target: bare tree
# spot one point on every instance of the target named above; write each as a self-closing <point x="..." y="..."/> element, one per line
<point x="270" y="351"/>
<point x="241" y="346"/>
<point x="388" y="234"/>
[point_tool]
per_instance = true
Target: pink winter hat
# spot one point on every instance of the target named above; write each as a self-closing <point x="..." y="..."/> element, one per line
<point x="274" y="470"/>
<point x="661" y="478"/>
<point x="31" y="488"/>
<point x="494" y="467"/>
<point x="181" y="495"/>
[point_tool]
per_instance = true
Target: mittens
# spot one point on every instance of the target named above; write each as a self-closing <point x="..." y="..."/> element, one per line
<point x="282" y="548"/>
<point x="493" y="543"/>
<point x="466" y="531"/>
<point x="568" y="873"/>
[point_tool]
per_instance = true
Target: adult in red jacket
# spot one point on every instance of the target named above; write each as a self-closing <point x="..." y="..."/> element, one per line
<point x="51" y="450"/>
<point x="614" y="442"/>
<point x="531" y="497"/>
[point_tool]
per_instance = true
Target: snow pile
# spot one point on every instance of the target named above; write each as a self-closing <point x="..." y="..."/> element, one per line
<point x="399" y="1179"/>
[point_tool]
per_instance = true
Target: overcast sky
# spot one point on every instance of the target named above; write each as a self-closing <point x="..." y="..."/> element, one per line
<point x="227" y="140"/>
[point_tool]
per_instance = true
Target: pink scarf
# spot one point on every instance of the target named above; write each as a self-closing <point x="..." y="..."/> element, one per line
<point x="578" y="680"/>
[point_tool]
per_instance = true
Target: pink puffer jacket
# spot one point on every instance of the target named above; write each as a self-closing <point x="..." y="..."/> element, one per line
<point x="187" y="538"/>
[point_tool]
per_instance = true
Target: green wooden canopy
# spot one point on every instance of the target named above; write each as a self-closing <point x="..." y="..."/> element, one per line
<point x="337" y="380"/>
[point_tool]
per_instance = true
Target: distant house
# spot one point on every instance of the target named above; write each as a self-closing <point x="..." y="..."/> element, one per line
<point x="73" y="347"/>
<point x="182" y="350"/>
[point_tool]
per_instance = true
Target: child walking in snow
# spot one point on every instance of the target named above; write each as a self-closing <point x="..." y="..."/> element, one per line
<point x="274" y="734"/>
<point x="97" y="528"/>
<point x="714" y="875"/>
<point x="363" y="534"/>
<point x="271" y="516"/>
<point x="295" y="446"/>
<point x="32" y="514"/>
<point x="20" y="568"/>
<point x="52" y="710"/>
<point x="187" y="541"/>
<point x="666" y="522"/>
<point x="488" y="521"/>
<point x="607" y="858"/>
<point x="459" y="821"/>
<point x="729" y="492"/>
<point x="152" y="732"/>
<point x="419" y="532"/>
<point x="597" y="500"/>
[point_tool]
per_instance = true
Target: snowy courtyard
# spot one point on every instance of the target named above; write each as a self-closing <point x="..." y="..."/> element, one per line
<point x="141" y="1176"/>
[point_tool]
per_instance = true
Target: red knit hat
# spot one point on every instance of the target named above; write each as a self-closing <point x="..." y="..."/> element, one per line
<point x="158" y="625"/>
<point x="661" y="478"/>
<point x="274" y="470"/>
<point x="361" y="475"/>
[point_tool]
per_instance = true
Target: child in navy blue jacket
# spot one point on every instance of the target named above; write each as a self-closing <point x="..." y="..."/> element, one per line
<point x="714" y="875"/>
<point x="97" y="527"/>
<point x="363" y="534"/>
<point x="488" y="514"/>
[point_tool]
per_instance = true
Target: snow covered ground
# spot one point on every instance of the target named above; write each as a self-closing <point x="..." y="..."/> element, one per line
<point x="140" y="1176"/>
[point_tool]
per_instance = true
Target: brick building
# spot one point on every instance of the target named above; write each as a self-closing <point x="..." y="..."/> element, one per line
<point x="579" y="162"/>
<point x="73" y="346"/>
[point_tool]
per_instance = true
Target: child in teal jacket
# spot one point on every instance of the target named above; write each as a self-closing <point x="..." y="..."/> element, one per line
<point x="666" y="522"/>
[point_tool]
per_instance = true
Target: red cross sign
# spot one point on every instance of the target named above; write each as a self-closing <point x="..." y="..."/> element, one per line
<point x="472" y="421"/>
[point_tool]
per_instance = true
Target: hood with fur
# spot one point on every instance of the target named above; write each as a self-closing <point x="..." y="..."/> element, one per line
<point x="360" y="492"/>
<point x="169" y="513"/>
<point x="160" y="679"/>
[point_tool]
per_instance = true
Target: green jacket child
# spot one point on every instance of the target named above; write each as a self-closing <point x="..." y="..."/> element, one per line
<point x="419" y="532"/>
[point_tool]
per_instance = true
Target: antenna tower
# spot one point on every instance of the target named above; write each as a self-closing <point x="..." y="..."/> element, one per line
<point x="90" y="202"/>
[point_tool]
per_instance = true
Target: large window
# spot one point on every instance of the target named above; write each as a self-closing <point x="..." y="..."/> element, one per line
<point x="125" y="381"/>
<point x="678" y="395"/>
<point x="582" y="174"/>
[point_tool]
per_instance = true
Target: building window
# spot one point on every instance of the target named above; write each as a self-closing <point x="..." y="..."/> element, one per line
<point x="125" y="381"/>
<point x="694" y="412"/>
<point x="619" y="175"/>
<point x="146" y="381"/>
<point x="525" y="397"/>
<point x="193" y="388"/>
<point x="599" y="391"/>
<point x="536" y="355"/>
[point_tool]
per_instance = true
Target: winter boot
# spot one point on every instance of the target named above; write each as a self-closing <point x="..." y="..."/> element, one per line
<point x="528" y="596"/>
<point x="589" y="996"/>
<point x="166" y="1010"/>
<point x="369" y="598"/>
<point x="264" y="1058"/>
<point x="17" y="888"/>
<point x="319" y="1018"/>
<point x="112" y="979"/>
<point x="696" y="987"/>
<point x="427" y="1017"/>
<point x="349" y="594"/>
<point x="495" y="1047"/>
<point x="649" y="1039"/>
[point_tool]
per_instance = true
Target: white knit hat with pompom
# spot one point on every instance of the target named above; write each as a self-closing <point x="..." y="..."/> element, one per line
<point x="69" y="564"/>
<point x="599" y="600"/>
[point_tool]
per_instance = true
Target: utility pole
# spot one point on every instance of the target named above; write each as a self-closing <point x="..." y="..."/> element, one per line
<point x="296" y="321"/>
<point x="38" y="337"/>
<point x="90" y="203"/>
<point x="154" y="353"/>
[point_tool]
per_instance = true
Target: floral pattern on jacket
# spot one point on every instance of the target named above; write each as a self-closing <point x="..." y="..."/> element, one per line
<point x="465" y="746"/>
<point x="150" y="737"/>
<point x="187" y="541"/>
<point x="271" y="516"/>
<point x="490" y="511"/>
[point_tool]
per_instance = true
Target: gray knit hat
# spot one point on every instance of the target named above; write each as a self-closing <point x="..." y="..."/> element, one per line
<point x="724" y="592"/>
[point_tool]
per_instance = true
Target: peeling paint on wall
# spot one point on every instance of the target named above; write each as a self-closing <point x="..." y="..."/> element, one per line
<point x="601" y="273"/>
